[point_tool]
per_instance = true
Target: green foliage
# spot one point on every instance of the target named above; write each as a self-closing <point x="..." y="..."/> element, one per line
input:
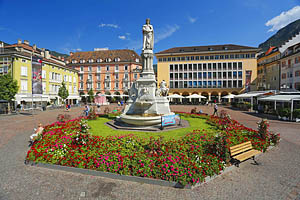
<point x="63" y="92"/>
<point x="91" y="96"/>
<point x="284" y="112"/>
<point x="296" y="113"/>
<point x="8" y="87"/>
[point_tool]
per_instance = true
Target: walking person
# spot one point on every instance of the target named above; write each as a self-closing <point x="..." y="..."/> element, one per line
<point x="86" y="110"/>
<point x="215" y="109"/>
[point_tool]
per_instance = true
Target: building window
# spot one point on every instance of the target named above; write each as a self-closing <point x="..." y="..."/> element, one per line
<point x="135" y="76"/>
<point x="43" y="74"/>
<point x="117" y="76"/>
<point x="99" y="69"/>
<point x="81" y="68"/>
<point x="117" y="67"/>
<point x="23" y="71"/>
<point x="24" y="85"/>
<point x="107" y="67"/>
<point x="125" y="67"/>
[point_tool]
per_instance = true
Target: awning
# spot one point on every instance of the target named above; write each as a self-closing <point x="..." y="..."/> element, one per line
<point x="280" y="98"/>
<point x="253" y="94"/>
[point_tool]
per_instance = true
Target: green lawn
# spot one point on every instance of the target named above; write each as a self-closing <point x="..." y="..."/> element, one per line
<point x="98" y="128"/>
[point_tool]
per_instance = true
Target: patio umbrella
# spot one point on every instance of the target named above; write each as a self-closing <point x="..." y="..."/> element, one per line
<point x="196" y="96"/>
<point x="176" y="96"/>
<point x="230" y="96"/>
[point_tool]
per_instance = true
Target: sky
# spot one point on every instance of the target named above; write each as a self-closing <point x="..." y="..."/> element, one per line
<point x="77" y="25"/>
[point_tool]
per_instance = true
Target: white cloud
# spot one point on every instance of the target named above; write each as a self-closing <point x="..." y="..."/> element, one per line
<point x="192" y="19"/>
<point x="284" y="19"/>
<point x="108" y="25"/>
<point x="122" y="37"/>
<point x="77" y="49"/>
<point x="165" y="32"/>
<point x="127" y="33"/>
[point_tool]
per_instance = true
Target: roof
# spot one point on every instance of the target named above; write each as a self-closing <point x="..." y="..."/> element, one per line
<point x="123" y="54"/>
<point x="283" y="98"/>
<point x="211" y="48"/>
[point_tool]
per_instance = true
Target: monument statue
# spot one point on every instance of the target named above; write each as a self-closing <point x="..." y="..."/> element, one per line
<point x="148" y="36"/>
<point x="147" y="104"/>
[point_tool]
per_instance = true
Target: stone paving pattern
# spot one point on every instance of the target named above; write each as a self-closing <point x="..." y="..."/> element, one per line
<point x="278" y="176"/>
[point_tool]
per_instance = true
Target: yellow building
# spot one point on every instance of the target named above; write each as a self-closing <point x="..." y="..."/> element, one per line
<point x="17" y="60"/>
<point x="212" y="71"/>
<point x="268" y="70"/>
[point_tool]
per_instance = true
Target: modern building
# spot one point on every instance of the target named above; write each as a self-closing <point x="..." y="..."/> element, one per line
<point x="17" y="59"/>
<point x="104" y="71"/>
<point x="268" y="70"/>
<point x="212" y="71"/>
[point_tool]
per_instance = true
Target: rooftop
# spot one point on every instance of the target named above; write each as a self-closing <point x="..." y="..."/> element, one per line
<point x="212" y="48"/>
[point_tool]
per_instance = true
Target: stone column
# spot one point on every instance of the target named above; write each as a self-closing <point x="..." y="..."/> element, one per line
<point x="219" y="97"/>
<point x="229" y="100"/>
<point x="209" y="96"/>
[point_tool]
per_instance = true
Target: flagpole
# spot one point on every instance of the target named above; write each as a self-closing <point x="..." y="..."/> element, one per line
<point x="31" y="84"/>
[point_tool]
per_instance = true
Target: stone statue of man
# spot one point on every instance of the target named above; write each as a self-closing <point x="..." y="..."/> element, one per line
<point x="148" y="36"/>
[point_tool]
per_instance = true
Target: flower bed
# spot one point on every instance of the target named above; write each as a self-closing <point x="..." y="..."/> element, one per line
<point x="187" y="160"/>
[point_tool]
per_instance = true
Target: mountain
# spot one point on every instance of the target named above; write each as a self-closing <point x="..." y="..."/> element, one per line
<point x="283" y="35"/>
<point x="54" y="53"/>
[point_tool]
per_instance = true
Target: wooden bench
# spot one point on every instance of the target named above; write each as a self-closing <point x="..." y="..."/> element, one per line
<point x="243" y="152"/>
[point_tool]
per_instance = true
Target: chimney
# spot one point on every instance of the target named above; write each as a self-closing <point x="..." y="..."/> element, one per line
<point x="34" y="46"/>
<point x="71" y="53"/>
<point x="59" y="57"/>
<point x="43" y="54"/>
<point x="63" y="58"/>
<point x="47" y="54"/>
<point x="19" y="41"/>
<point x="26" y="42"/>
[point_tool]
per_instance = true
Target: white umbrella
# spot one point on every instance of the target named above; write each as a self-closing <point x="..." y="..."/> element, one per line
<point x="176" y="96"/>
<point x="230" y="96"/>
<point x="196" y="96"/>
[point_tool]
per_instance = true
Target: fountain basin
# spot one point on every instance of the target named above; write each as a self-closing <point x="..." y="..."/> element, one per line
<point x="141" y="120"/>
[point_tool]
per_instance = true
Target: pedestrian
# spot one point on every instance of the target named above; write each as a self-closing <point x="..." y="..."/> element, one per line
<point x="122" y="102"/>
<point x="98" y="108"/>
<point x="207" y="103"/>
<point x="119" y="104"/>
<point x="67" y="107"/>
<point x="87" y="110"/>
<point x="215" y="109"/>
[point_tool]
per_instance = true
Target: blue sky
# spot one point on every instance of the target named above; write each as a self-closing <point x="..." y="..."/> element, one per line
<point x="66" y="26"/>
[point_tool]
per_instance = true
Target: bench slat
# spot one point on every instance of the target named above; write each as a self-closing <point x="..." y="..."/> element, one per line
<point x="240" y="145"/>
<point x="237" y="151"/>
<point x="246" y="155"/>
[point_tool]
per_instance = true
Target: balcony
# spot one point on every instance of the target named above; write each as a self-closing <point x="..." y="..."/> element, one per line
<point x="98" y="80"/>
<point x="89" y="80"/>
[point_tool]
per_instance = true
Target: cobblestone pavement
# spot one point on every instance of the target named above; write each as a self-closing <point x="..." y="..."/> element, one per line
<point x="278" y="176"/>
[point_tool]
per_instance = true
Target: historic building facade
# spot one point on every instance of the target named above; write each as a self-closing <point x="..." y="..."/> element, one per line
<point x="268" y="70"/>
<point x="17" y="60"/>
<point x="290" y="67"/>
<point x="212" y="71"/>
<point x="109" y="72"/>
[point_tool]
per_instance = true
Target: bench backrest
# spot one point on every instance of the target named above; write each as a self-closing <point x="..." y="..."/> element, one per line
<point x="236" y="149"/>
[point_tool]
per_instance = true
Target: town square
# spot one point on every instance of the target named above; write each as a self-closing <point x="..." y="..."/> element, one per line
<point x="137" y="110"/>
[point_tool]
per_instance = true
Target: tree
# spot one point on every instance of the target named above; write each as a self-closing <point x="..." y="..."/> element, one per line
<point x="91" y="96"/>
<point x="63" y="92"/>
<point x="8" y="88"/>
